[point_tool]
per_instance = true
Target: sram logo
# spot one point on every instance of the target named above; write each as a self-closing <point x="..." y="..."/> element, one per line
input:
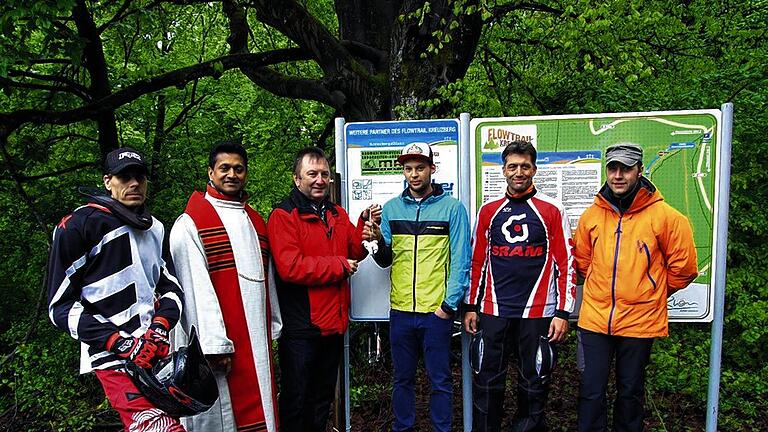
<point x="526" y="251"/>
<point x="520" y="230"/>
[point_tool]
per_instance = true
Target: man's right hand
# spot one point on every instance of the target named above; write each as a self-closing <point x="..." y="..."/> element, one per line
<point x="220" y="362"/>
<point x="137" y="350"/>
<point x="352" y="266"/>
<point x="470" y="322"/>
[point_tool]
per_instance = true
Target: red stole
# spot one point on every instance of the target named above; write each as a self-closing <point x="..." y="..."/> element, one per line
<point x="242" y="380"/>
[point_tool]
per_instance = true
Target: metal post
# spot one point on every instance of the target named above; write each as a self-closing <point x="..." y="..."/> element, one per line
<point x="341" y="169"/>
<point x="341" y="158"/>
<point x="465" y="196"/>
<point x="723" y="193"/>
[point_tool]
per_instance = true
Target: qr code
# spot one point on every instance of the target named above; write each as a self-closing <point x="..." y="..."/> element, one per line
<point x="362" y="189"/>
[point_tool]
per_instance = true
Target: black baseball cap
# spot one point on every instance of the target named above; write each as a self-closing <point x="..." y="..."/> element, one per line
<point x="122" y="158"/>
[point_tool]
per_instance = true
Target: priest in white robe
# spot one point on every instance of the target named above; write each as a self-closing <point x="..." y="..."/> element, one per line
<point x="221" y="253"/>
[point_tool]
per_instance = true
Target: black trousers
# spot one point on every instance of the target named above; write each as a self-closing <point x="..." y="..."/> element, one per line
<point x="595" y="354"/>
<point x="308" y="373"/>
<point x="496" y="340"/>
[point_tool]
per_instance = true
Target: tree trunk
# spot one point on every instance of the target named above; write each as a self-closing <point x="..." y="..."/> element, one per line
<point x="96" y="65"/>
<point x="418" y="66"/>
<point x="406" y="73"/>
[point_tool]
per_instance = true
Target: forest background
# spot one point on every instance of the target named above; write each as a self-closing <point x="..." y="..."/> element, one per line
<point x="79" y="78"/>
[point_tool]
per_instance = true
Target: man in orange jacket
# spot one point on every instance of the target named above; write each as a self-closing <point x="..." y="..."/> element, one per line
<point x="633" y="250"/>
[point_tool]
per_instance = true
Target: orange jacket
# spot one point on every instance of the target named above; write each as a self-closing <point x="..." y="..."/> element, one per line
<point x="631" y="263"/>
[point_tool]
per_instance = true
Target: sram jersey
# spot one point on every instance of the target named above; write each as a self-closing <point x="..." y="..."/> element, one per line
<point x="522" y="265"/>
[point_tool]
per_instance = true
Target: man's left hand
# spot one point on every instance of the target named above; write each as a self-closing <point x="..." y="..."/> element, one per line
<point x="371" y="231"/>
<point x="557" y="329"/>
<point x="220" y="362"/>
<point x="441" y="313"/>
<point x="353" y="264"/>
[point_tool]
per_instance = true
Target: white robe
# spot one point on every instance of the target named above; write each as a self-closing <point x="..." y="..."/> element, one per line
<point x="201" y="307"/>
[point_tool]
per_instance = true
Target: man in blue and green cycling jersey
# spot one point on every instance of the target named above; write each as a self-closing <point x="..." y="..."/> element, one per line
<point x="425" y="235"/>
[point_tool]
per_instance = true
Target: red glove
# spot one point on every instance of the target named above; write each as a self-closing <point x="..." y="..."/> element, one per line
<point x="139" y="351"/>
<point x="157" y="333"/>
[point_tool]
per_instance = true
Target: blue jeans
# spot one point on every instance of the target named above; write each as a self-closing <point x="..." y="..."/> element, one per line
<point x="412" y="333"/>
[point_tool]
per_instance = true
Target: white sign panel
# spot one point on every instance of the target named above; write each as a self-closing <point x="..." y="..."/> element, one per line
<point x="374" y="177"/>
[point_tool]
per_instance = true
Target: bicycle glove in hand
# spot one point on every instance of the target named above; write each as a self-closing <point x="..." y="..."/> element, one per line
<point x="140" y="351"/>
<point x="157" y="333"/>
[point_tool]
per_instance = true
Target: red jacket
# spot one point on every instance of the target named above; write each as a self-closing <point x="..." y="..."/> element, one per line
<point x="310" y="256"/>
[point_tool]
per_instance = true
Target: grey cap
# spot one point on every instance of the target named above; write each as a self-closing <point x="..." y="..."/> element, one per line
<point x="625" y="153"/>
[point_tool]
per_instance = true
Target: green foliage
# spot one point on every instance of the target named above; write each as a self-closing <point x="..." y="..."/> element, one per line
<point x="364" y="394"/>
<point x="534" y="58"/>
<point x="38" y="390"/>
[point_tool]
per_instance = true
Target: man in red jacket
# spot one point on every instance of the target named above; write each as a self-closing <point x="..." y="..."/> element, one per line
<point x="315" y="249"/>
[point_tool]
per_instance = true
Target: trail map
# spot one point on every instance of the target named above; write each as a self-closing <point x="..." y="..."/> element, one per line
<point x="679" y="157"/>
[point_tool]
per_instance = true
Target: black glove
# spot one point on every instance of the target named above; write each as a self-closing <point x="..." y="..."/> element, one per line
<point x="140" y="351"/>
<point x="157" y="333"/>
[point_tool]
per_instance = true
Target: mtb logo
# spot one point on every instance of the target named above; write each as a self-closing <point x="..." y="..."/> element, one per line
<point x="414" y="149"/>
<point x="130" y="155"/>
<point x="520" y="229"/>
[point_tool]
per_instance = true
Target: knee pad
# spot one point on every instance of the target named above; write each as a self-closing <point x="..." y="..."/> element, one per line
<point x="546" y="359"/>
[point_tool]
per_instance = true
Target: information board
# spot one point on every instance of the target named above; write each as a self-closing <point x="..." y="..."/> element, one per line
<point x="374" y="177"/>
<point x="679" y="157"/>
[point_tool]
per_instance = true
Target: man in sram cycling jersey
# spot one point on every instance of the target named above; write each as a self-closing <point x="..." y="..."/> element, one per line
<point x="521" y="295"/>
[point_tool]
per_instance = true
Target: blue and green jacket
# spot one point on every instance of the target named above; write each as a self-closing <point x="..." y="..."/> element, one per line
<point x="428" y="245"/>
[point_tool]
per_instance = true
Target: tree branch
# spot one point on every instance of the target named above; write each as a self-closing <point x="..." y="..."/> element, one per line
<point x="375" y="56"/>
<point x="529" y="42"/>
<point x="95" y="63"/>
<point x="295" y="22"/>
<point x="26" y="179"/>
<point x="5" y="82"/>
<point x="327" y="130"/>
<point x="238" y="26"/>
<point x="58" y="138"/>
<point x="501" y="10"/>
<point x="212" y="68"/>
<point x="291" y="87"/>
<point x="184" y="113"/>
<point x="495" y="87"/>
<point x="49" y="61"/>
<point x="17" y="179"/>
<point x="70" y="86"/>
<point x="542" y="106"/>
<point x="746" y="85"/>
<point x="116" y="17"/>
